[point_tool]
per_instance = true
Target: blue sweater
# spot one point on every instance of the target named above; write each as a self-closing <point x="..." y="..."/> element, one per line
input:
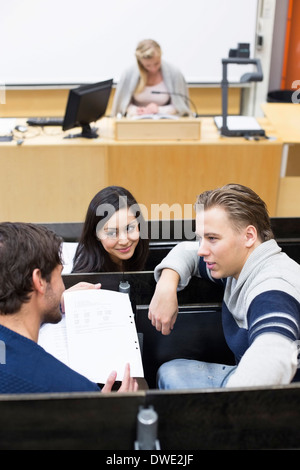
<point x="25" y="367"/>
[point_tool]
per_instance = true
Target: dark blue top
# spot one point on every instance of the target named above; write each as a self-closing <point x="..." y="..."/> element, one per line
<point x="25" y="367"/>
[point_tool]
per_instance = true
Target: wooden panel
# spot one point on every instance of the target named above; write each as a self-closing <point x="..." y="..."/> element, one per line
<point x="37" y="102"/>
<point x="34" y="102"/>
<point x="208" y="101"/>
<point x="289" y="197"/>
<point x="158" y="129"/>
<point x="52" y="102"/>
<point x="52" y="179"/>
<point x="179" y="173"/>
<point x="293" y="163"/>
<point x="49" y="183"/>
<point x="285" y="118"/>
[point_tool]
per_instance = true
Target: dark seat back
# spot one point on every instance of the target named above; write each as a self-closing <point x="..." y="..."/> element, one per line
<point x="262" y="418"/>
<point x="198" y="332"/>
<point x="83" y="421"/>
<point x="238" y="419"/>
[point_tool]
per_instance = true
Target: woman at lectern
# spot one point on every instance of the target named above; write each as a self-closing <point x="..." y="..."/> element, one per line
<point x="151" y="86"/>
<point x="114" y="236"/>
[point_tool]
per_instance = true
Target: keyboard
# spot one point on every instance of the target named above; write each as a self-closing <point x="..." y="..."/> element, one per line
<point x="45" y="121"/>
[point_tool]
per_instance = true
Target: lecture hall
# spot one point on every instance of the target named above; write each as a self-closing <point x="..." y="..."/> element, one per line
<point x="151" y="111"/>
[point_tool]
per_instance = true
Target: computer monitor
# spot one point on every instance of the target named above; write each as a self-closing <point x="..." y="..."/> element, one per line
<point x="86" y="104"/>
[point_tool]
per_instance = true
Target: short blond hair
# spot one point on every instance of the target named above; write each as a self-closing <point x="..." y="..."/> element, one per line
<point x="243" y="206"/>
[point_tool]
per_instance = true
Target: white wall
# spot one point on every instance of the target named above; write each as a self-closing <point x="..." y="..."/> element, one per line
<point x="74" y="41"/>
<point x="257" y="93"/>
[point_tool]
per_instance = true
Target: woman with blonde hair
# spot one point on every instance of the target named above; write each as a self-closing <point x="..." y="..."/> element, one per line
<point x="151" y="86"/>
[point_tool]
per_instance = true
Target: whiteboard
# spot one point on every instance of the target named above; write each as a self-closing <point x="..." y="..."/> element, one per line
<point x="75" y="41"/>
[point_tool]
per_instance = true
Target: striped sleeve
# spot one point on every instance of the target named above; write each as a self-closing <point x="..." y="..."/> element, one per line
<point x="274" y="312"/>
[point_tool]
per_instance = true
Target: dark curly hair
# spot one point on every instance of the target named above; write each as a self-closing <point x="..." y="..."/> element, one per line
<point x="23" y="248"/>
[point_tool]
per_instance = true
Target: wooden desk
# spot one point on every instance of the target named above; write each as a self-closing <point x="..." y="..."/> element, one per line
<point x="52" y="179"/>
<point x="285" y="118"/>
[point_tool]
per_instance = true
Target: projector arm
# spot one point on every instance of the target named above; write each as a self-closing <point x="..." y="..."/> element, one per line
<point x="246" y="78"/>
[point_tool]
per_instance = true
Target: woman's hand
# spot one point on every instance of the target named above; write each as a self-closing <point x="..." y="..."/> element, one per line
<point x="151" y="108"/>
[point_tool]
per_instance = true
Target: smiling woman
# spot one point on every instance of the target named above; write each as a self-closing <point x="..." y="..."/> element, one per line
<point x="120" y="236"/>
<point x="111" y="238"/>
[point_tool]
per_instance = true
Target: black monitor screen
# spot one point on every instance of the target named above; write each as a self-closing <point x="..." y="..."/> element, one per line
<point x="86" y="104"/>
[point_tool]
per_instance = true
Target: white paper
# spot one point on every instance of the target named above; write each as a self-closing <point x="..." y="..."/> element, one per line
<point x="100" y="332"/>
<point x="155" y="116"/>
<point x="53" y="338"/>
<point x="68" y="254"/>
<point x="244" y="123"/>
<point x="7" y="125"/>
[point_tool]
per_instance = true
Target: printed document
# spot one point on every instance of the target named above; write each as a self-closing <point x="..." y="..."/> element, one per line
<point x="7" y="125"/>
<point x="97" y="335"/>
<point x="155" y="116"/>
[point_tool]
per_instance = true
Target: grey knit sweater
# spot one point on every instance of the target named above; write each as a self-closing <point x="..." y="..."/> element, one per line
<point x="260" y="312"/>
<point x="174" y="82"/>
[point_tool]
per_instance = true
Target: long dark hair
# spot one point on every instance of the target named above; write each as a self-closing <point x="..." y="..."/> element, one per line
<point x="90" y="255"/>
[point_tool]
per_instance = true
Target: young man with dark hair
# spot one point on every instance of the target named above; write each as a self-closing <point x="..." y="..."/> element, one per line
<point x="261" y="304"/>
<point x="31" y="289"/>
